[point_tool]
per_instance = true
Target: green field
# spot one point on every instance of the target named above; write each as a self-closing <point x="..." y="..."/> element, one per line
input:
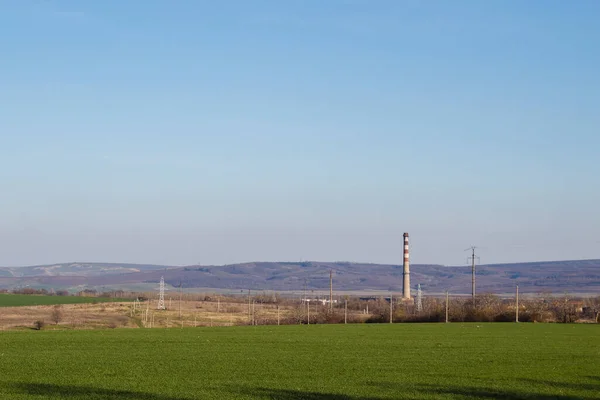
<point x="317" y="362"/>
<point x="18" y="300"/>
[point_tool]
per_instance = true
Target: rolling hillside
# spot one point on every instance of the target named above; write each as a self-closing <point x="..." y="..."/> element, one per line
<point x="557" y="276"/>
<point x="77" y="269"/>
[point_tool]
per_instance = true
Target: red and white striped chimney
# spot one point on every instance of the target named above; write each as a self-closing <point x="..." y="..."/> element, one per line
<point x="406" y="273"/>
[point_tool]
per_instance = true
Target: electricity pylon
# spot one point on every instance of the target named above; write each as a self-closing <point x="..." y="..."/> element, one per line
<point x="161" y="294"/>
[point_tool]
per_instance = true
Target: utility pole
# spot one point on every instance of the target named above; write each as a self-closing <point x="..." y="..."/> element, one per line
<point x="447" y="306"/>
<point x="249" y="307"/>
<point x="472" y="258"/>
<point x="305" y="307"/>
<point x="304" y="294"/>
<point x="391" y="309"/>
<point x="419" y="299"/>
<point x="346" y="311"/>
<point x="308" y="314"/>
<point x="330" y="290"/>
<point x="517" y="306"/>
<point x="180" y="298"/>
<point x="148" y="309"/>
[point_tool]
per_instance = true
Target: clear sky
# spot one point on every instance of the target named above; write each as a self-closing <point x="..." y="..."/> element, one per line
<point x="180" y="132"/>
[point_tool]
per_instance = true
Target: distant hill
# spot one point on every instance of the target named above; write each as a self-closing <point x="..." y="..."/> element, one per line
<point x="77" y="269"/>
<point x="556" y="276"/>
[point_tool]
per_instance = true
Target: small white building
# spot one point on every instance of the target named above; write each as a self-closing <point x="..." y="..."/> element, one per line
<point x="322" y="301"/>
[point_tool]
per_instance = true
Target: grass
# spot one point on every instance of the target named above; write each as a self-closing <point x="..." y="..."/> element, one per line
<point x="317" y="362"/>
<point x="19" y="300"/>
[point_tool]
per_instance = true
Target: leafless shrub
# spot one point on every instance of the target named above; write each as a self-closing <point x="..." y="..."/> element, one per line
<point x="30" y="291"/>
<point x="564" y="310"/>
<point x="57" y="315"/>
<point x="39" y="325"/>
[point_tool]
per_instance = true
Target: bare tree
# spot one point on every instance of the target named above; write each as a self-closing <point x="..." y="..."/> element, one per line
<point x="538" y="307"/>
<point x="57" y="315"/>
<point x="564" y="310"/>
<point x="592" y="306"/>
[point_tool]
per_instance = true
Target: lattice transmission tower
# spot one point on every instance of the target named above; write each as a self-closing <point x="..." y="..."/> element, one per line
<point x="472" y="259"/>
<point x="161" y="294"/>
<point x="419" y="298"/>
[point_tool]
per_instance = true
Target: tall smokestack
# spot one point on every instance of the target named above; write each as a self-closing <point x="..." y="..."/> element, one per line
<point x="406" y="274"/>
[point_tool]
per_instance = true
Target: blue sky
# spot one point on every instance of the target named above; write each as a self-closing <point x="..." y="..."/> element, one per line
<point x="230" y="131"/>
